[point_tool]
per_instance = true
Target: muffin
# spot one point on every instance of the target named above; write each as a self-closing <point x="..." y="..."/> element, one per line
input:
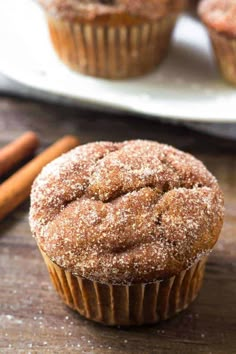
<point x="125" y="229"/>
<point x="219" y="18"/>
<point x="114" y="38"/>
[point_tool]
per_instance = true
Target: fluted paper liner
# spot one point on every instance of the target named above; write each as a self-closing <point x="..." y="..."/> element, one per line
<point x="108" y="51"/>
<point x="225" y="51"/>
<point x="127" y="304"/>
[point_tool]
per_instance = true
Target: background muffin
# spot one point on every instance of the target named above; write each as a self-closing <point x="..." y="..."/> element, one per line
<point x="219" y="17"/>
<point x="125" y="229"/>
<point x="111" y="39"/>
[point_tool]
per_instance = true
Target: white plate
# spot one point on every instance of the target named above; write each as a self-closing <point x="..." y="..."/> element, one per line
<point x="186" y="86"/>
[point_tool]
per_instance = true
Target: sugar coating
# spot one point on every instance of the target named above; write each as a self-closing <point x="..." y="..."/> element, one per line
<point x="123" y="213"/>
<point x="92" y="9"/>
<point x="219" y="15"/>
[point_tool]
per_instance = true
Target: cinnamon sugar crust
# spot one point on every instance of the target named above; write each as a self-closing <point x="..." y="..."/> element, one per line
<point x="129" y="212"/>
<point x="219" y="15"/>
<point x="93" y="9"/>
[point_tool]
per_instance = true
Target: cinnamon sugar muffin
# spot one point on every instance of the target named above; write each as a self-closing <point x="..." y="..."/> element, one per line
<point x="125" y="229"/>
<point x="113" y="38"/>
<point x="219" y="17"/>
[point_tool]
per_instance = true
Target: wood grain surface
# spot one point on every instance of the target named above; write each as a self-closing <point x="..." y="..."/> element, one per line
<point x="33" y="318"/>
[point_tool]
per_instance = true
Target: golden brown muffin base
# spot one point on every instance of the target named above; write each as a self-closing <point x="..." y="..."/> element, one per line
<point x="225" y="51"/>
<point x="127" y="305"/>
<point x="111" y="51"/>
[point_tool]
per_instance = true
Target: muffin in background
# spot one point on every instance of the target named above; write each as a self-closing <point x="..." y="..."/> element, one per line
<point x="112" y="39"/>
<point x="125" y="229"/>
<point x="219" y="18"/>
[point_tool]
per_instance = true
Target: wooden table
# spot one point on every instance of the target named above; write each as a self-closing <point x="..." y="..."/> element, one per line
<point x="33" y="318"/>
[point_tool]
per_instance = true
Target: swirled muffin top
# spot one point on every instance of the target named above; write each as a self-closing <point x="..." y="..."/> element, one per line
<point x="129" y="212"/>
<point x="94" y="9"/>
<point x="219" y="15"/>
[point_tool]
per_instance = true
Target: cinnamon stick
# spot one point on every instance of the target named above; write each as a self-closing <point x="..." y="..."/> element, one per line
<point x="17" y="188"/>
<point x="17" y="151"/>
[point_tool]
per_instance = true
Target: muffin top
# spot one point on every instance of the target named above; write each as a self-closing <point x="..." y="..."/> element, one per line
<point x="129" y="212"/>
<point x="219" y="15"/>
<point x="113" y="9"/>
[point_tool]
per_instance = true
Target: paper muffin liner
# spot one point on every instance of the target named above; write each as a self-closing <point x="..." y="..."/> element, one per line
<point x="225" y="51"/>
<point x="108" y="51"/>
<point x="127" y="305"/>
